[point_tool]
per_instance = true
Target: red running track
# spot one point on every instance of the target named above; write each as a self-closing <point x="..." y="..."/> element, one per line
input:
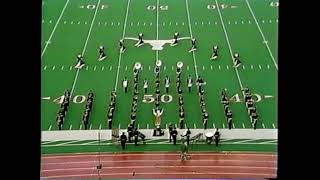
<point x="160" y="165"/>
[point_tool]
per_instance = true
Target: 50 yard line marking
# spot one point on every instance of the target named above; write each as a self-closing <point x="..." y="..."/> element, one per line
<point x="264" y="39"/>
<point x="84" y="48"/>
<point x="123" y="33"/>
<point x="54" y="28"/>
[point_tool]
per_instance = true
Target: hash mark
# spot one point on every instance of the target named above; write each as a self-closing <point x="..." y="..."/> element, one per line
<point x="53" y="67"/>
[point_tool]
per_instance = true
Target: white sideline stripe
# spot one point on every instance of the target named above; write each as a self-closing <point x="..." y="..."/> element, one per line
<point x="264" y="39"/>
<point x="54" y="28"/>
<point x="48" y="142"/>
<point x="248" y="140"/>
<point x="85" y="46"/>
<point x="158" y="166"/>
<point x="68" y="143"/>
<point x="123" y="33"/>
<point x="268" y="142"/>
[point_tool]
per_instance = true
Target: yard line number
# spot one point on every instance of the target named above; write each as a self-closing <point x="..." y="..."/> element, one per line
<point x="149" y="98"/>
<point x="213" y="6"/>
<point x="153" y="7"/>
<point x="255" y="97"/>
<point x="78" y="99"/>
<point x="93" y="6"/>
<point x="274" y="4"/>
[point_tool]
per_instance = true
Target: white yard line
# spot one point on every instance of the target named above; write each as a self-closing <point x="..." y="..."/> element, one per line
<point x="264" y="39"/>
<point x="54" y="28"/>
<point x="190" y="29"/>
<point x="123" y="33"/>
<point x="84" y="48"/>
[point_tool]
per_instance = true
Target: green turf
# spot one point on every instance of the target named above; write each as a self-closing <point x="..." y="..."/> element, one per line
<point x="69" y="39"/>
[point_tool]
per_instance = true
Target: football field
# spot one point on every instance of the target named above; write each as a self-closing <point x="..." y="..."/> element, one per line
<point x="247" y="27"/>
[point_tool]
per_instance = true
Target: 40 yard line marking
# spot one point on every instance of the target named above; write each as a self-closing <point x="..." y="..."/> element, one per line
<point x="54" y="28"/>
<point x="123" y="33"/>
<point x="230" y="49"/>
<point x="190" y="29"/>
<point x="84" y="48"/>
<point x="264" y="39"/>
